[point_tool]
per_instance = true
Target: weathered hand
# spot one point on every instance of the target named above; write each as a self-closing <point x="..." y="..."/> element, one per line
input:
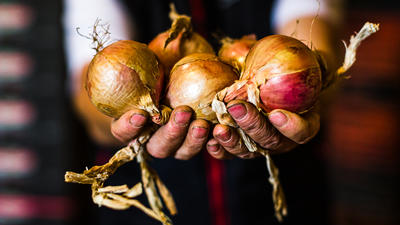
<point x="180" y="137"/>
<point x="280" y="132"/>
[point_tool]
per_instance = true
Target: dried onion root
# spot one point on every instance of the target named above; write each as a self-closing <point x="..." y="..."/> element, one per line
<point x="282" y="73"/>
<point x="121" y="197"/>
<point x="122" y="76"/>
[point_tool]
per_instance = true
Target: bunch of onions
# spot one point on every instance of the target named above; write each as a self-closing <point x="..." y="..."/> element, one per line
<point x="122" y="76"/>
<point x="281" y="72"/>
<point x="195" y="80"/>
<point x="234" y="51"/>
<point x="179" y="41"/>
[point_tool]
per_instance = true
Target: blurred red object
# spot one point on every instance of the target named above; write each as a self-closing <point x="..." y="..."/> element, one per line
<point x="362" y="132"/>
<point x="34" y="207"/>
<point x="15" y="16"/>
<point x="15" y="113"/>
<point x="15" y="65"/>
<point x="16" y="161"/>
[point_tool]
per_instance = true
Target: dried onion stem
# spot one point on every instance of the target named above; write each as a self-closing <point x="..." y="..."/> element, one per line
<point x="121" y="197"/>
<point x="351" y="49"/>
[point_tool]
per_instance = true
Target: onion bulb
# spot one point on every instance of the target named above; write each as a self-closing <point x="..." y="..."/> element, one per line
<point x="125" y="75"/>
<point x="179" y="41"/>
<point x="234" y="51"/>
<point x="281" y="73"/>
<point x="195" y="80"/>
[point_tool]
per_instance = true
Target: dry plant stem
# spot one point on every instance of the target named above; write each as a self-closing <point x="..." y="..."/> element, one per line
<point x="152" y="182"/>
<point x="180" y="23"/>
<point x="278" y="195"/>
<point x="100" y="35"/>
<point x="351" y="49"/>
<point x="119" y="197"/>
<point x="149" y="178"/>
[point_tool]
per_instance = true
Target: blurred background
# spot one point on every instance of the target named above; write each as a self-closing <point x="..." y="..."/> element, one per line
<point x="41" y="137"/>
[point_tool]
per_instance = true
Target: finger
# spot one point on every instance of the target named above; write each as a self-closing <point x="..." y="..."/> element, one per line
<point x="216" y="150"/>
<point x="169" y="137"/>
<point x="195" y="140"/>
<point x="297" y="128"/>
<point x="229" y="139"/>
<point x="129" y="125"/>
<point x="257" y="126"/>
<point x="254" y="124"/>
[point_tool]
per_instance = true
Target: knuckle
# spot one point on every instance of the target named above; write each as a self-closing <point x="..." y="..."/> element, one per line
<point x="192" y="146"/>
<point x="118" y="135"/>
<point x="172" y="132"/>
<point x="310" y="132"/>
<point x="244" y="155"/>
<point x="255" y="126"/>
<point x="159" y="155"/>
<point x="248" y="155"/>
<point x="235" y="147"/>
<point x="271" y="141"/>
<point x="231" y="144"/>
<point x="183" y="155"/>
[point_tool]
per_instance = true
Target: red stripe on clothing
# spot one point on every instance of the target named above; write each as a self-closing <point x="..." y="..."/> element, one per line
<point x="198" y="16"/>
<point x="215" y="169"/>
<point x="215" y="172"/>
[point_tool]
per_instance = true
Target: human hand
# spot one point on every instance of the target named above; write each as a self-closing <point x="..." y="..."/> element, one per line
<point x="180" y="137"/>
<point x="280" y="132"/>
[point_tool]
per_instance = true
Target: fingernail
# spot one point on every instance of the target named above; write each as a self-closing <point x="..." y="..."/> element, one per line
<point x="137" y="120"/>
<point x="199" y="132"/>
<point x="182" y="118"/>
<point x="213" y="148"/>
<point x="237" y="111"/>
<point x="278" y="118"/>
<point x="225" y="136"/>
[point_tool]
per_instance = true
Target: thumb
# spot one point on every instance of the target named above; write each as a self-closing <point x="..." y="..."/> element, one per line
<point x="295" y="127"/>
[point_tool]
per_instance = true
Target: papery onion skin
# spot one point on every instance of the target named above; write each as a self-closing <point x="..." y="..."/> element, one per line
<point x="286" y="72"/>
<point x="125" y="75"/>
<point x="234" y="51"/>
<point x="184" y="44"/>
<point x="195" y="80"/>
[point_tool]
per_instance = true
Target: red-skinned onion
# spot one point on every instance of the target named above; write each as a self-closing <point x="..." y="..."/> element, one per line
<point x="286" y="73"/>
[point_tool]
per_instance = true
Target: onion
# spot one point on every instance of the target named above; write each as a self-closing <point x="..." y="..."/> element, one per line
<point x="284" y="72"/>
<point x="234" y="51"/>
<point x="195" y="80"/>
<point x="125" y="75"/>
<point x="179" y="41"/>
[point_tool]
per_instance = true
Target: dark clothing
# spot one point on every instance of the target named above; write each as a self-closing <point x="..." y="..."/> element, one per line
<point x="233" y="18"/>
